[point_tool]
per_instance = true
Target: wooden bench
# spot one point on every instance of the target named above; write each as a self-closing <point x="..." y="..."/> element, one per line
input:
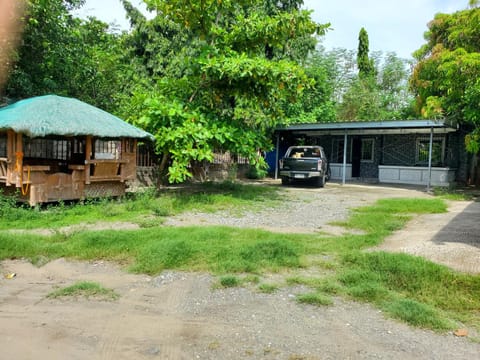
<point x="103" y="170"/>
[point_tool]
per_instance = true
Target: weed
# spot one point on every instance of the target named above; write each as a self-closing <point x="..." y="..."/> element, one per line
<point x="229" y="281"/>
<point x="314" y="299"/>
<point x="85" y="289"/>
<point x="267" y="288"/>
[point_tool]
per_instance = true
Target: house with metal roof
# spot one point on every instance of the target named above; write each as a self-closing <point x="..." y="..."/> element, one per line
<point x="56" y="148"/>
<point x="417" y="152"/>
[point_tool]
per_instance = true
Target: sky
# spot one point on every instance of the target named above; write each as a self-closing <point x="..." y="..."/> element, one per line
<point x="392" y="25"/>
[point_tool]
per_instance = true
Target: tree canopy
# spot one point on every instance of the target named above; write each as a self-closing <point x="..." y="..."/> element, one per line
<point x="371" y="86"/>
<point x="446" y="78"/>
<point x="64" y="55"/>
<point x="238" y="69"/>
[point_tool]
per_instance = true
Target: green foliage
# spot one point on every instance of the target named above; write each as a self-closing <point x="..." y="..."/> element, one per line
<point x="67" y="56"/>
<point x="85" y="289"/>
<point x="384" y="95"/>
<point x="232" y="70"/>
<point x="365" y="64"/>
<point x="316" y="103"/>
<point x="445" y="78"/>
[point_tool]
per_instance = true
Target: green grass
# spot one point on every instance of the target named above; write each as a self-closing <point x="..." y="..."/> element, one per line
<point x="267" y="288"/>
<point x="85" y="289"/>
<point x="151" y="250"/>
<point x="452" y="194"/>
<point x="146" y="208"/>
<point x="389" y="280"/>
<point x="318" y="299"/>
<point x="403" y="286"/>
<point x="230" y="281"/>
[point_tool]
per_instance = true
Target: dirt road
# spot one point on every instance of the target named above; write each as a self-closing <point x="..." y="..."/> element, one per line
<point x="180" y="316"/>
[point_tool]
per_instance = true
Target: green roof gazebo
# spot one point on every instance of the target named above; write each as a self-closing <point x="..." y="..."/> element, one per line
<point x="56" y="148"/>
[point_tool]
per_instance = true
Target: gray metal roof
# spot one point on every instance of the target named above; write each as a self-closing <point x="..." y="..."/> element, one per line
<point x="370" y="125"/>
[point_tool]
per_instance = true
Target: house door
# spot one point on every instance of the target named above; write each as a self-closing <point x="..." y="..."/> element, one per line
<point x="356" y="156"/>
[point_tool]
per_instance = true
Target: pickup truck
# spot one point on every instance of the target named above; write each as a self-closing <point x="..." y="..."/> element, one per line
<point x="304" y="163"/>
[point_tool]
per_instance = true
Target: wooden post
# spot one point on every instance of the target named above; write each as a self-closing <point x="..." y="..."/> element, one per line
<point x="19" y="159"/>
<point x="10" y="157"/>
<point x="88" y="156"/>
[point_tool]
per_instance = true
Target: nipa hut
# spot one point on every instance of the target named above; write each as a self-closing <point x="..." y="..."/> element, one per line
<point x="55" y="148"/>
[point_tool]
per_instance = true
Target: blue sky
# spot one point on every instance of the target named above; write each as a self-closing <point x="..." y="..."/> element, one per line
<point x="392" y="25"/>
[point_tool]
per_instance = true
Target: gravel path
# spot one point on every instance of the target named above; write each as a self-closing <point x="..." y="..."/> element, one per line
<point x="305" y="210"/>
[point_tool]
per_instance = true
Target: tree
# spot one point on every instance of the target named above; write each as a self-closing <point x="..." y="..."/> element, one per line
<point x="376" y="88"/>
<point x="239" y="69"/>
<point x="10" y="34"/>
<point x="316" y="103"/>
<point x="366" y="67"/>
<point x="45" y="54"/>
<point x="67" y="56"/>
<point x="446" y="76"/>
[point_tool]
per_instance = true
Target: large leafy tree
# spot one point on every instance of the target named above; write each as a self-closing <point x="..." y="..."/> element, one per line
<point x="44" y="61"/>
<point x="446" y="78"/>
<point x="65" y="55"/>
<point x="238" y="64"/>
<point x="316" y="103"/>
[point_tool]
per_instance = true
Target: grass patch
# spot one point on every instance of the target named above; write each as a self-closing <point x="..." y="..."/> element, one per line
<point x="139" y="207"/>
<point x="219" y="250"/>
<point x="85" y="289"/>
<point x="452" y="194"/>
<point x="417" y="314"/>
<point x="267" y="288"/>
<point x="383" y="278"/>
<point x="317" y="299"/>
<point x="229" y="281"/>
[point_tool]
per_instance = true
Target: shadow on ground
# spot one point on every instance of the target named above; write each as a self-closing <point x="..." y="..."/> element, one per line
<point x="463" y="228"/>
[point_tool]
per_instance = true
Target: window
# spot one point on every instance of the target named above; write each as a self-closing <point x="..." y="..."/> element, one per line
<point x="41" y="148"/>
<point x="337" y="151"/>
<point x="108" y="149"/>
<point x="3" y="145"/>
<point x="422" y="150"/>
<point x="367" y="150"/>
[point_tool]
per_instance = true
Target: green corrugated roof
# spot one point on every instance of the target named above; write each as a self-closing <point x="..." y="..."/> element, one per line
<point x="55" y="115"/>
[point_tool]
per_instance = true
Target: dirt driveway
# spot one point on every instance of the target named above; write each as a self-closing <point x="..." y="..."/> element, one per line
<point x="180" y="316"/>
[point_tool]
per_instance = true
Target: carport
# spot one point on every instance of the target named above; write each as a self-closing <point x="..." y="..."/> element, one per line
<point x="417" y="152"/>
